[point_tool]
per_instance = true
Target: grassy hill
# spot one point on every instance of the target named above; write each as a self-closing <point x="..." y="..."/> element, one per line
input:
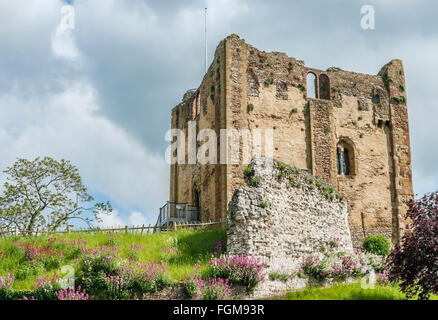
<point x="32" y="257"/>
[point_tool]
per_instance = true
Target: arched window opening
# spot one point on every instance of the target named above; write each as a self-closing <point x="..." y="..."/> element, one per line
<point x="311" y="85"/>
<point x="345" y="158"/>
<point x="324" y="87"/>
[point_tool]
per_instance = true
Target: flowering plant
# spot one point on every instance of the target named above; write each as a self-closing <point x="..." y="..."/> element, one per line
<point x="334" y="263"/>
<point x="210" y="289"/>
<point x="46" y="287"/>
<point x="136" y="277"/>
<point x="72" y="294"/>
<point x="6" y="283"/>
<point x="238" y="269"/>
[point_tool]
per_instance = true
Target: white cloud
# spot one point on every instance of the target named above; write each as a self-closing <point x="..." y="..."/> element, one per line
<point x="137" y="218"/>
<point x="111" y="220"/>
<point x="67" y="125"/>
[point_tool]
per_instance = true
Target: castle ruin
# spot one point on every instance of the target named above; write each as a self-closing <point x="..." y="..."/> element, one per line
<point x="352" y="132"/>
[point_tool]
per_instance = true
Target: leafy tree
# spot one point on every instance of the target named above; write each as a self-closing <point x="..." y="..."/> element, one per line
<point x="414" y="261"/>
<point x="45" y="194"/>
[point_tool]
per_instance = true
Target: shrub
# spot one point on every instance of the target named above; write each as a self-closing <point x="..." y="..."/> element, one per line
<point x="376" y="244"/>
<point x="333" y="263"/>
<point x="46" y="287"/>
<point x="414" y="261"/>
<point x="72" y="294"/>
<point x="238" y="270"/>
<point x="138" y="277"/>
<point x="117" y="288"/>
<point x="210" y="289"/>
<point x="6" y="283"/>
<point x="263" y="204"/>
<point x="28" y="269"/>
<point x="215" y="289"/>
<point x="95" y="264"/>
<point x="250" y="107"/>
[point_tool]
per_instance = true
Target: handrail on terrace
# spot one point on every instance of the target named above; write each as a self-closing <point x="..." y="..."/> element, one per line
<point x="177" y="212"/>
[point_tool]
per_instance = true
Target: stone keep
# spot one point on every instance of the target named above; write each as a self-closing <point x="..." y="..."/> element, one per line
<point x="352" y="131"/>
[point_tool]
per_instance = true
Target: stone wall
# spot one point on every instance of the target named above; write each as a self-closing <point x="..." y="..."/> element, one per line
<point x="284" y="217"/>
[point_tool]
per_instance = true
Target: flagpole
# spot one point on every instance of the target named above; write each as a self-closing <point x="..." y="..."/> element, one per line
<point x="206" y="40"/>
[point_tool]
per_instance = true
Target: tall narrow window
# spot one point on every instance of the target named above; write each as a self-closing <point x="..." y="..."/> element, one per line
<point x="345" y="157"/>
<point x="345" y="163"/>
<point x="338" y="157"/>
<point x="311" y="85"/>
<point x="324" y="87"/>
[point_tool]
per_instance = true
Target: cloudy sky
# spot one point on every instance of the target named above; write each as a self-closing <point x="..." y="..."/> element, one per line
<point x="100" y="94"/>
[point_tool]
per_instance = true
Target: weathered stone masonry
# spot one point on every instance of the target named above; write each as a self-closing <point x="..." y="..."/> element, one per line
<point x="286" y="216"/>
<point x="358" y="117"/>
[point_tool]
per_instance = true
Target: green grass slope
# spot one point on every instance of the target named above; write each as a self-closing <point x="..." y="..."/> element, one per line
<point x="181" y="250"/>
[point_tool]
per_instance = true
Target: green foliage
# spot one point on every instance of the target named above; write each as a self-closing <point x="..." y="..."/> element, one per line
<point x="250" y="107"/>
<point x="284" y="277"/>
<point x="347" y="292"/>
<point x="45" y="194"/>
<point x="360" y="107"/>
<point x="194" y="247"/>
<point x="269" y="81"/>
<point x="402" y="88"/>
<point x="248" y="171"/>
<point x="400" y="99"/>
<point x="133" y="255"/>
<point x="281" y="175"/>
<point x="294" y="110"/>
<point x="376" y="244"/>
<point x="301" y="87"/>
<point x="359" y="118"/>
<point x="255" y="181"/>
<point x="263" y="204"/>
<point x="385" y="80"/>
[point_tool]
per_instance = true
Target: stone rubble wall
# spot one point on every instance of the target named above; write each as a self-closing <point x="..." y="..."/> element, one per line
<point x="301" y="213"/>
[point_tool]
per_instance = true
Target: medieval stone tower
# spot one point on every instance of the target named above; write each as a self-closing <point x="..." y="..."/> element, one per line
<point x="353" y="132"/>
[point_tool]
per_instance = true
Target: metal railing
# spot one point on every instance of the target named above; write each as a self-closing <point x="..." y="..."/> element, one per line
<point x="177" y="212"/>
